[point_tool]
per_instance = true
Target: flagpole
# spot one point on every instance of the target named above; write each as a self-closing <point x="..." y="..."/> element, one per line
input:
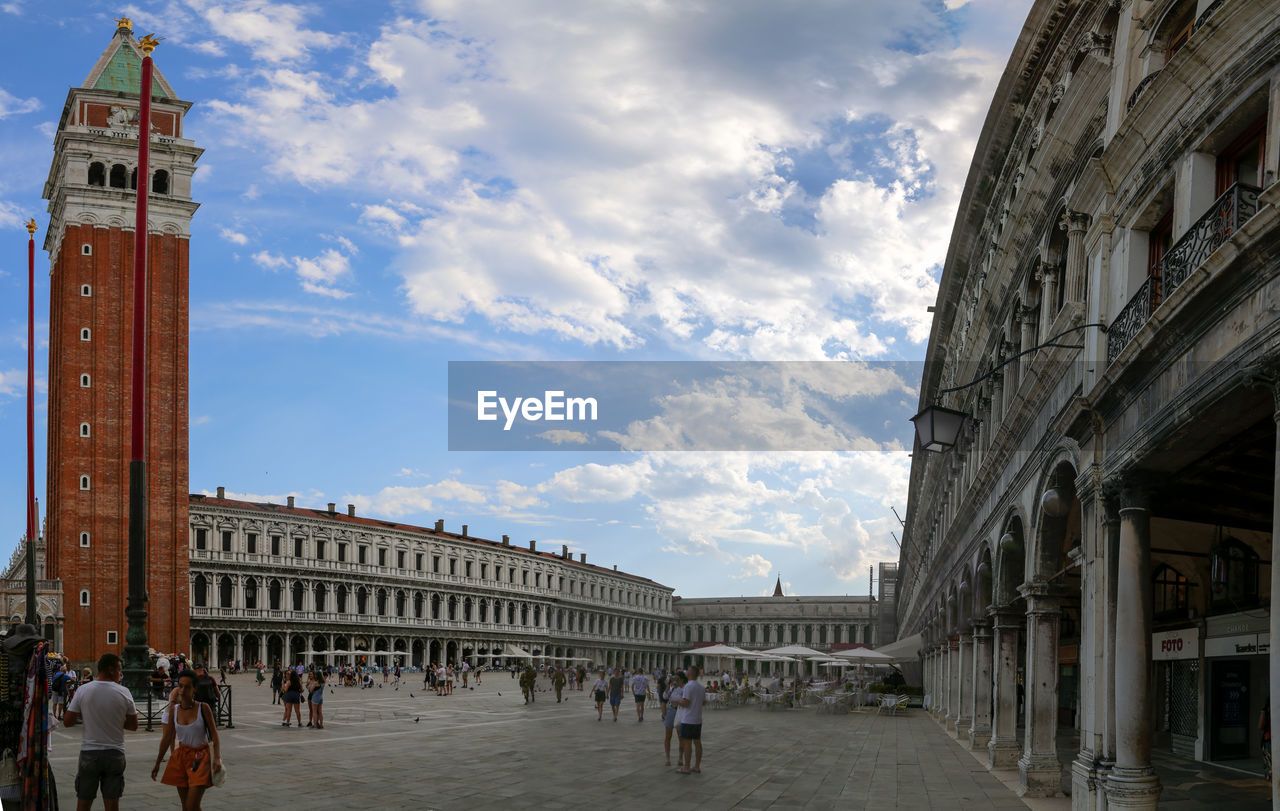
<point x="137" y="661"/>
<point x="33" y="615"/>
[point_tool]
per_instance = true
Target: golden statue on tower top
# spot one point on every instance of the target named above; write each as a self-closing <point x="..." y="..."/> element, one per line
<point x="125" y="23"/>
<point x="148" y="43"/>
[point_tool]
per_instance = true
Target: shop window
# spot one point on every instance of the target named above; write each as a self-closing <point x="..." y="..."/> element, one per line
<point x="1241" y="161"/>
<point x="1234" y="574"/>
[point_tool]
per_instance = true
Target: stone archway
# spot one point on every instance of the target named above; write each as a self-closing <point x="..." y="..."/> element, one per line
<point x="199" y="647"/>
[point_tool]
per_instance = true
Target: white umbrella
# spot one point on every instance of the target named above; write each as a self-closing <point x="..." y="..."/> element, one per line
<point x="865" y="655"/>
<point x="515" y="652"/>
<point x="720" y="650"/>
<point x="795" y="650"/>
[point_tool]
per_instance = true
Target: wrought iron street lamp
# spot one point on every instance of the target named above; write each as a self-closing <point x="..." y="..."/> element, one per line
<point x="939" y="428"/>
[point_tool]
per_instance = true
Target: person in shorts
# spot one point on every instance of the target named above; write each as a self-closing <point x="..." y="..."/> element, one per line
<point x="691" y="724"/>
<point x="601" y="691"/>
<point x="640" y="689"/>
<point x="107" y="710"/>
<point x="615" y="691"/>
<point x="674" y="693"/>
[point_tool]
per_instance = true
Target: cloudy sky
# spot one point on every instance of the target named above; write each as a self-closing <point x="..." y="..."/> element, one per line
<point x="391" y="186"/>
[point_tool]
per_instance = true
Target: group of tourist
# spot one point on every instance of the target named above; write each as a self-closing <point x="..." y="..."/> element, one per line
<point x="287" y="686"/>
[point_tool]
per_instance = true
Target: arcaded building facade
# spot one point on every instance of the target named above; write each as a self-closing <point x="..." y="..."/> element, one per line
<point x="279" y="582"/>
<point x="1101" y="538"/>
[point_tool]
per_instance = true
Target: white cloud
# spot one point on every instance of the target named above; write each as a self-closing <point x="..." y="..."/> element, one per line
<point x="399" y="500"/>
<point x="237" y="238"/>
<point x="201" y="420"/>
<point x="12" y="105"/>
<point x="312" y="497"/>
<point x="318" y="274"/>
<point x="209" y="48"/>
<point x="12" y="382"/>
<point x="754" y="566"/>
<point x="563" y="437"/>
<point x="623" y="174"/>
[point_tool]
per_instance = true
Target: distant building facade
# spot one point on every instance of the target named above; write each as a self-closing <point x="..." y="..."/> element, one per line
<point x="284" y="583"/>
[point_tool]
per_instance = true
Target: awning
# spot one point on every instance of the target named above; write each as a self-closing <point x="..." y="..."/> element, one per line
<point x="903" y="650"/>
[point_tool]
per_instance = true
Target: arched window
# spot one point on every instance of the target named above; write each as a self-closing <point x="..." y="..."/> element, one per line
<point x="118" y="176"/>
<point x="160" y="182"/>
<point x="297" y="596"/>
<point x="133" y="179"/>
<point x="511" y="613"/>
<point x="466" y="609"/>
<point x="435" y="606"/>
<point x="1234" y="574"/>
<point x="224" y="592"/>
<point x="273" y="595"/>
<point x="322" y="594"/>
<point x="524" y="613"/>
<point x="201" y="590"/>
<point x="688" y="634"/>
<point x="417" y="605"/>
<point x="84" y="482"/>
<point x="382" y="600"/>
<point x="251" y="594"/>
<point x="400" y="600"/>
<point x="453" y="607"/>
<point x="84" y="539"/>
<point x="362" y="600"/>
<point x="484" y="611"/>
<point x="342" y="599"/>
<point x="97" y="174"/>
<point x="84" y="429"/>
<point x="738" y="634"/>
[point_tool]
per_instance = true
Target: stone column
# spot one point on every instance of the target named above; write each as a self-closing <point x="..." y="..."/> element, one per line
<point x="953" y="683"/>
<point x="1092" y="557"/>
<point x="1039" y="773"/>
<point x="964" y="687"/>
<point x="1028" y="338"/>
<point x="980" y="729"/>
<point x="239" y="653"/>
<point x="1048" y="298"/>
<point x="1075" y="224"/>
<point x="1002" y="749"/>
<point x="1132" y="783"/>
<point x="997" y="404"/>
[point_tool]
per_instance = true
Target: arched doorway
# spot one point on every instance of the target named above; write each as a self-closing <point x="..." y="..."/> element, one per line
<point x="275" y="650"/>
<point x="451" y="652"/>
<point x="199" y="647"/>
<point x="226" y="650"/>
<point x="250" y="646"/>
<point x="416" y="653"/>
<point x="435" y="657"/>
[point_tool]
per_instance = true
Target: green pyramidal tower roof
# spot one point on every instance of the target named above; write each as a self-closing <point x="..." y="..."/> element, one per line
<point x="119" y="69"/>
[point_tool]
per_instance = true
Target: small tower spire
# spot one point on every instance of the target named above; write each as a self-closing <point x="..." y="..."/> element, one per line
<point x="777" y="589"/>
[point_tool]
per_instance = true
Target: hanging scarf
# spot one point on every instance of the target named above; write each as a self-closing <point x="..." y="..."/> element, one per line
<point x="33" y="751"/>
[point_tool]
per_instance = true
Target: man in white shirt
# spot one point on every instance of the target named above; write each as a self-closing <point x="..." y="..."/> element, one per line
<point x="107" y="710"/>
<point x="640" y="688"/>
<point x="691" y="724"/>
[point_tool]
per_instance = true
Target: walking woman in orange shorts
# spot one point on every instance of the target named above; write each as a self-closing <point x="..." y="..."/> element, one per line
<point x="190" y="729"/>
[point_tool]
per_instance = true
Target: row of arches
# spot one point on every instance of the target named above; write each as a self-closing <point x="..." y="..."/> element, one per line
<point x="782" y="633"/>
<point x="119" y="176"/>
<point x="276" y="594"/>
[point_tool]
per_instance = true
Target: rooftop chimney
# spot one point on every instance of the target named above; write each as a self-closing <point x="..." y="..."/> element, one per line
<point x="506" y="540"/>
<point x="291" y="502"/>
<point x="333" y="508"/>
<point x="464" y="530"/>
<point x="439" y="525"/>
<point x="615" y="567"/>
<point x="222" y="492"/>
<point x="564" y="551"/>
<point x="351" y="510"/>
<point x="582" y="557"/>
<point x="533" y="546"/>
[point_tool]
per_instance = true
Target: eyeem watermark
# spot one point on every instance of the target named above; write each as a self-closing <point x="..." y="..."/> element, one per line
<point x="552" y="407"/>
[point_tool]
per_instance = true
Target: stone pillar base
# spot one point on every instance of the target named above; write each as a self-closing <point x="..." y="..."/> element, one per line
<point x="950" y="723"/>
<point x="962" y="728"/>
<point x="1084" y="783"/>
<point x="1132" y="788"/>
<point x="1039" y="777"/>
<point x="978" y="738"/>
<point x="1002" y="754"/>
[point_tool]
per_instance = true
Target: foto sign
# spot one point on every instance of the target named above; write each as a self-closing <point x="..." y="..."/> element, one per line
<point x="1183" y="643"/>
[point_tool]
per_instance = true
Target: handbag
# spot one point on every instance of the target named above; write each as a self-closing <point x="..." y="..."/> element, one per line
<point x="8" y="768"/>
<point x="219" y="776"/>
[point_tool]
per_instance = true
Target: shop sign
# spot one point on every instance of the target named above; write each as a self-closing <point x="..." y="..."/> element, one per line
<point x="1243" y="645"/>
<point x="1236" y="624"/>
<point x="1183" y="643"/>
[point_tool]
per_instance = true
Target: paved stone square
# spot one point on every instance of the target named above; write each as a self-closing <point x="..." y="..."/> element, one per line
<point x="484" y="748"/>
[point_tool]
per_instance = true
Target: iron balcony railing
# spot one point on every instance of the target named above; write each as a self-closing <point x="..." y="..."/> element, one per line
<point x="1236" y="205"/>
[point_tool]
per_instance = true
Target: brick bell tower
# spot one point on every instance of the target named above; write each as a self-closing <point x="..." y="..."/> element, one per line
<point x="92" y="196"/>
